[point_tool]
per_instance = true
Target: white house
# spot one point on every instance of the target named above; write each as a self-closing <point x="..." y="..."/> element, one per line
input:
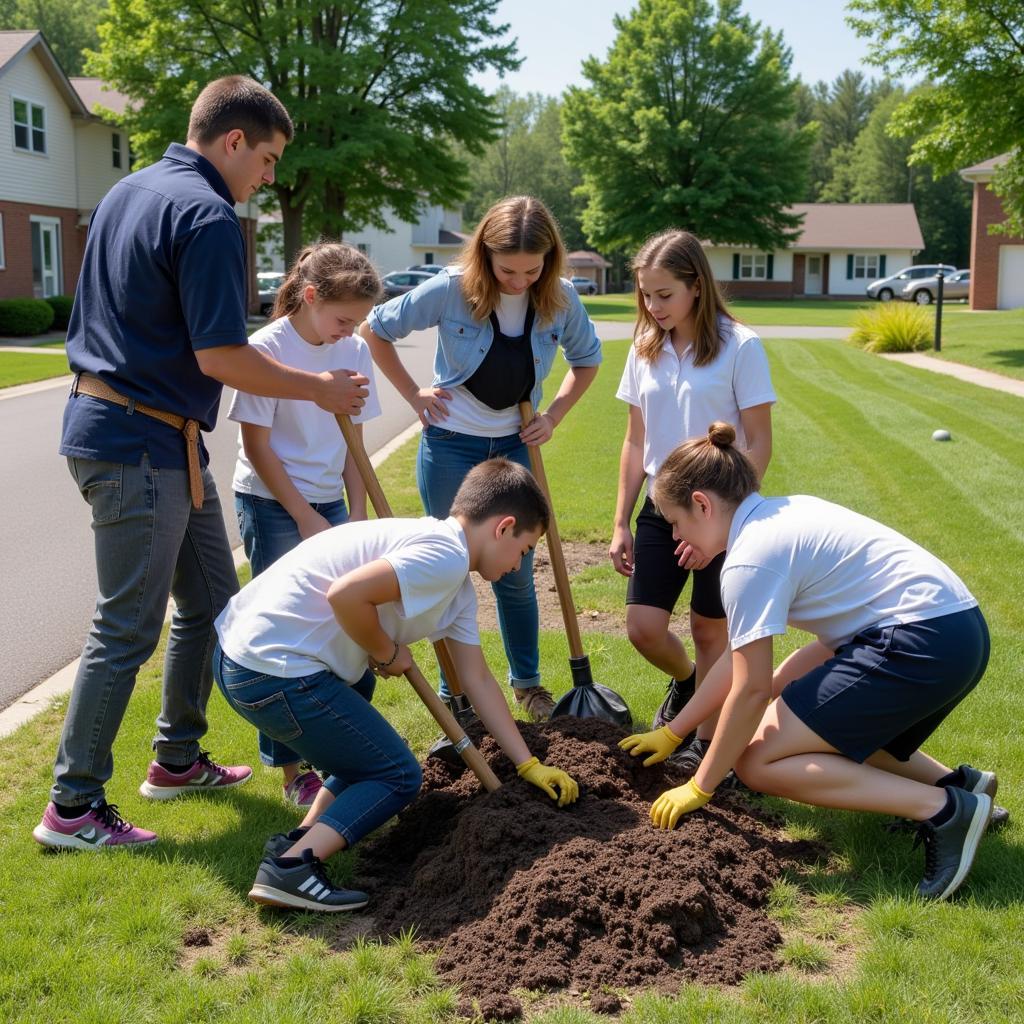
<point x="840" y="249"/>
<point x="58" y="158"/>
<point x="435" y="238"/>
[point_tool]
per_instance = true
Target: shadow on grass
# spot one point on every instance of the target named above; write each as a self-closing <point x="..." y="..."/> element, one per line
<point x="1009" y="356"/>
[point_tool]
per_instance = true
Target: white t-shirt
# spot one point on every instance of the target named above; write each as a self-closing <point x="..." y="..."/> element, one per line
<point x="466" y="413"/>
<point x="820" y="567"/>
<point x="303" y="436"/>
<point x="282" y="623"/>
<point x="679" y="401"/>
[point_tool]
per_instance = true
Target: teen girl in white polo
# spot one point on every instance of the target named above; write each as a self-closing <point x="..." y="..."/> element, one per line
<point x="691" y="364"/>
<point x="900" y="642"/>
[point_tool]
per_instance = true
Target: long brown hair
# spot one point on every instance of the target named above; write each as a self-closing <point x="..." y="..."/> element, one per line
<point x="513" y="225"/>
<point x="682" y="255"/>
<point x="711" y="463"/>
<point x="336" y="271"/>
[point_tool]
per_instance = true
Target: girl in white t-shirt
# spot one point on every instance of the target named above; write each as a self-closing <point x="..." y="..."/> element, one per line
<point x="900" y="641"/>
<point x="293" y="468"/>
<point x="691" y="363"/>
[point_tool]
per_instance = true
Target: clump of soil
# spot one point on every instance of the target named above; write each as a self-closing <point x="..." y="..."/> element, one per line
<point x="514" y="892"/>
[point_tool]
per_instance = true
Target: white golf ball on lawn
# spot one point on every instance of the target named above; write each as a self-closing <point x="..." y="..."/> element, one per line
<point x="940" y="435"/>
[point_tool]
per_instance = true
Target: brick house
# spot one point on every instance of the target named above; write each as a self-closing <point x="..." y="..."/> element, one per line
<point x="997" y="261"/>
<point x="841" y="248"/>
<point x="57" y="160"/>
<point x="589" y="264"/>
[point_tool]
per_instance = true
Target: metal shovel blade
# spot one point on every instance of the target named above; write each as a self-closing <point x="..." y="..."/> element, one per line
<point x="443" y="747"/>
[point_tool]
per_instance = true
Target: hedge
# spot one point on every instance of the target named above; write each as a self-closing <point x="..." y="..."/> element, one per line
<point x="61" y="306"/>
<point x="20" y="317"/>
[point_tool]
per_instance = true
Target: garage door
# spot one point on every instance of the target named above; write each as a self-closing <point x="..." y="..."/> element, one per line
<point x="1011" y="277"/>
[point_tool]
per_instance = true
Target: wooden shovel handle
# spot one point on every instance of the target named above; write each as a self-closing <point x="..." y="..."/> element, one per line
<point x="562" y="585"/>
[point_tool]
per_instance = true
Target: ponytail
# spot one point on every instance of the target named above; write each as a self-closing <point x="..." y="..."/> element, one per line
<point x="712" y="463"/>
<point x="337" y="272"/>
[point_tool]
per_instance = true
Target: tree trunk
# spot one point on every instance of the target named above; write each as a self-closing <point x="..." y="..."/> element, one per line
<point x="335" y="200"/>
<point x="291" y="226"/>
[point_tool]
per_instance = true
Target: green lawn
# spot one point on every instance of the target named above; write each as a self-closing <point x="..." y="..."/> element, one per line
<point x="991" y="341"/>
<point x="792" y="312"/>
<point x="101" y="938"/>
<point x="25" y="367"/>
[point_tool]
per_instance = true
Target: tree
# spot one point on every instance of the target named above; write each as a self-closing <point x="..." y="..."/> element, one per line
<point x="526" y="159"/>
<point x="688" y="123"/>
<point x="69" y="26"/>
<point x="380" y="93"/>
<point x="973" y="56"/>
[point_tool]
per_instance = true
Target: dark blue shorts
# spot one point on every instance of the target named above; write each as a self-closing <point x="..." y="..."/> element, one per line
<point x="890" y="687"/>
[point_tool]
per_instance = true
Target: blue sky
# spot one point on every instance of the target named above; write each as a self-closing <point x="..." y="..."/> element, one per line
<point x="556" y="35"/>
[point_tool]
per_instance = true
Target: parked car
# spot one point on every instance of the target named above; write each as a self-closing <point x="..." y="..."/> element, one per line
<point x="268" y="282"/>
<point x="584" y="286"/>
<point x="427" y="268"/>
<point x="886" y="288"/>
<point x="401" y="281"/>
<point x="926" y="289"/>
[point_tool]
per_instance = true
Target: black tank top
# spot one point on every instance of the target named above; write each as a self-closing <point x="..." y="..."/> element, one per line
<point x="506" y="376"/>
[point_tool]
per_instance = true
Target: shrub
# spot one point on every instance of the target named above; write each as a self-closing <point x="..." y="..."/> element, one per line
<point x="893" y="327"/>
<point x="61" y="306"/>
<point x="20" y="317"/>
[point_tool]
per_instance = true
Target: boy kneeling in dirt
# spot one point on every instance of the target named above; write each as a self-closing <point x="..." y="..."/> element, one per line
<point x="294" y="646"/>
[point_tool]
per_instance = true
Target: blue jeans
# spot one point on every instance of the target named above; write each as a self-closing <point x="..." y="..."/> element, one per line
<point x="150" y="544"/>
<point x="444" y="459"/>
<point x="268" y="532"/>
<point x="370" y="769"/>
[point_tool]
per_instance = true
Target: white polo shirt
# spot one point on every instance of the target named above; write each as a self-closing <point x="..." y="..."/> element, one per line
<point x="805" y="562"/>
<point x="282" y="623"/>
<point x="679" y="401"/>
<point x="303" y="436"/>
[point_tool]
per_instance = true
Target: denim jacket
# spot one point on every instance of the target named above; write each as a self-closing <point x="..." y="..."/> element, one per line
<point x="462" y="342"/>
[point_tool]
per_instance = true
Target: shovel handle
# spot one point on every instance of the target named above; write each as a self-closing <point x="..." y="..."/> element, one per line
<point x="383" y="510"/>
<point x="460" y="741"/>
<point x="562" y="585"/>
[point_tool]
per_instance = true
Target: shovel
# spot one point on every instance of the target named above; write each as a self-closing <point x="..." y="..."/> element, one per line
<point x="447" y="748"/>
<point x="586" y="699"/>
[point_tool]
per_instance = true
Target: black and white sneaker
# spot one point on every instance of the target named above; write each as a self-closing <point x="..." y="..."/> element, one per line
<point x="949" y="849"/>
<point x="301" y="883"/>
<point x="675" y="699"/>
<point x="277" y="844"/>
<point x="688" y="758"/>
<point x="977" y="781"/>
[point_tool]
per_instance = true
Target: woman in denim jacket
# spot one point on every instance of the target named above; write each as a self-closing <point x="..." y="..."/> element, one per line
<point x="500" y="315"/>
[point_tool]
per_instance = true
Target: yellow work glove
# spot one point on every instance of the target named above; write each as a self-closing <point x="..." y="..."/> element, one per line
<point x="659" y="744"/>
<point x="674" y="803"/>
<point x="544" y="777"/>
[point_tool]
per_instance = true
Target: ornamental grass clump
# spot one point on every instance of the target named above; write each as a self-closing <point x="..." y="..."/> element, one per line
<point x="892" y="327"/>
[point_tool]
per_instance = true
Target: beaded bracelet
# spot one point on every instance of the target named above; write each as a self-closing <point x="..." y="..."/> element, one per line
<point x="384" y="664"/>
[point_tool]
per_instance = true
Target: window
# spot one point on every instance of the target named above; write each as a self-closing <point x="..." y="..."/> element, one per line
<point x="29" y="127"/>
<point x="115" y="142"/>
<point x="753" y="265"/>
<point x="865" y="266"/>
<point x="3" y="261"/>
<point x="428" y="257"/>
<point x="363" y="247"/>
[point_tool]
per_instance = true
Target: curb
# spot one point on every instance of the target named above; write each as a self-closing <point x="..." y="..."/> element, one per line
<point x="43" y="694"/>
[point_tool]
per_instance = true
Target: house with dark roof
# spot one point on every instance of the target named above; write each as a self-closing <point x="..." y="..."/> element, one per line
<point x="840" y="249"/>
<point x="997" y="261"/>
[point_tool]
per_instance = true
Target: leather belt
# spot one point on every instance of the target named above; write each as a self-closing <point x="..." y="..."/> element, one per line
<point x="96" y="387"/>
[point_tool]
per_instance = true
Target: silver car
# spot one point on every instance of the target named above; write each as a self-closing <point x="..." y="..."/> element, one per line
<point x="890" y="287"/>
<point x="926" y="290"/>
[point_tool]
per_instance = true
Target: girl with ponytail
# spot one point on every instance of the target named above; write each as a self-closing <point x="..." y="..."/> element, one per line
<point x="900" y="641"/>
<point x="293" y="471"/>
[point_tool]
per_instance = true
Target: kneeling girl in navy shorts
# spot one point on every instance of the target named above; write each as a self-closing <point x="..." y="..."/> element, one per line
<point x="900" y="642"/>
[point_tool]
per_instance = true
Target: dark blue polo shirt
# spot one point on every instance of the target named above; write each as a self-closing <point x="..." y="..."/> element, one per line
<point x="164" y="274"/>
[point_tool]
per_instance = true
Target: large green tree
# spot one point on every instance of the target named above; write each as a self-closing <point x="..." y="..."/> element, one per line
<point x="688" y="122"/>
<point x="526" y="159"/>
<point x="972" y="54"/>
<point x="69" y="26"/>
<point x="380" y="92"/>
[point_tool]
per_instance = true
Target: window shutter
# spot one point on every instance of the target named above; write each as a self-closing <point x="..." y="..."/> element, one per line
<point x="735" y="266"/>
<point x="849" y="266"/>
<point x="771" y="265"/>
<point x="881" y="265"/>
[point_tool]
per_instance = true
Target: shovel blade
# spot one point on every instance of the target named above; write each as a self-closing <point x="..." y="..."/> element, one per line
<point x="594" y="701"/>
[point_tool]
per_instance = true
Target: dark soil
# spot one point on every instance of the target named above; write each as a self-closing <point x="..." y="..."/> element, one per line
<point x="514" y="892"/>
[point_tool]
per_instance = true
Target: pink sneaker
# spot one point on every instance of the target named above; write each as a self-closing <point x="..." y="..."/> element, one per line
<point x="302" y="790"/>
<point x="203" y="776"/>
<point x="99" y="827"/>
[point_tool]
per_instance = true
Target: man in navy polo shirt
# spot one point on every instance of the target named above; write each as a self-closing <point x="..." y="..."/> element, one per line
<point x="158" y="327"/>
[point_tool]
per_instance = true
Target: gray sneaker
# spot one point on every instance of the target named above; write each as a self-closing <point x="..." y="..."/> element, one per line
<point x="536" y="701"/>
<point x="977" y="781"/>
<point x="301" y="883"/>
<point x="949" y="849"/>
<point x="677" y="695"/>
<point x="277" y="844"/>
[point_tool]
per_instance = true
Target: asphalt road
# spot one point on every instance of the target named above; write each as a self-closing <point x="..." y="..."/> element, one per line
<point x="48" y="576"/>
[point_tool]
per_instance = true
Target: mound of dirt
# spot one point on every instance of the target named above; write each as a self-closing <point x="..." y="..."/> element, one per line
<point x="514" y="892"/>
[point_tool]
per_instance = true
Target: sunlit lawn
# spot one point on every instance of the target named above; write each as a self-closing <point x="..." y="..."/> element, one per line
<point x="26" y="367"/>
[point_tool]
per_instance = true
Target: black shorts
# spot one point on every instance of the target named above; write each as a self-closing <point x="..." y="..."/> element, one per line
<point x="890" y="687"/>
<point x="658" y="580"/>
